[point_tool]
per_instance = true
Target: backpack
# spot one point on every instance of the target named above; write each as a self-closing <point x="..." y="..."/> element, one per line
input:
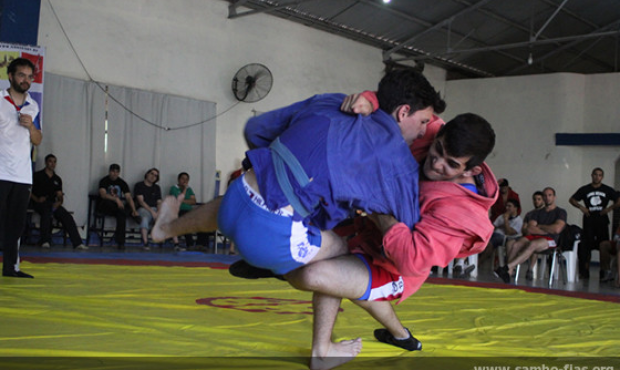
<point x="568" y="236"/>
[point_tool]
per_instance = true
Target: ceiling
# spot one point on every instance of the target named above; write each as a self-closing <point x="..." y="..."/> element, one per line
<point x="468" y="38"/>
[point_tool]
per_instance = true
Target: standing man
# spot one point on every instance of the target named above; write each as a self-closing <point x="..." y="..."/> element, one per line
<point x="542" y="232"/>
<point x="47" y="198"/>
<point x="113" y="192"/>
<point x="20" y="128"/>
<point x="148" y="196"/>
<point x="596" y="196"/>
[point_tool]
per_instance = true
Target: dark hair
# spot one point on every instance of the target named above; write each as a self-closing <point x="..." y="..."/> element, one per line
<point x="115" y="167"/>
<point x="181" y="174"/>
<point x="538" y="192"/>
<point x="598" y="169"/>
<point x="19" y="62"/>
<point x="468" y="134"/>
<point x="152" y="169"/>
<point x="514" y="202"/>
<point x="49" y="156"/>
<point x="406" y="86"/>
<point x="549" y="188"/>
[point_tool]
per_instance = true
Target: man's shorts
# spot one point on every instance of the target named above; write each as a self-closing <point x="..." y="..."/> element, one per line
<point x="550" y="240"/>
<point x="383" y="285"/>
<point x="264" y="238"/>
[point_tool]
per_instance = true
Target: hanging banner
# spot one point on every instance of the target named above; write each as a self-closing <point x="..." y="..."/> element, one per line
<point x="35" y="54"/>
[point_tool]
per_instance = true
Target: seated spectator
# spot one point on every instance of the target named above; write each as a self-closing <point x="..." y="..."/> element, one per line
<point x="507" y="227"/>
<point x="541" y="232"/>
<point x="609" y="248"/>
<point x="189" y="201"/>
<point x="113" y="193"/>
<point x="148" y="197"/>
<point x="46" y="199"/>
<point x="505" y="193"/>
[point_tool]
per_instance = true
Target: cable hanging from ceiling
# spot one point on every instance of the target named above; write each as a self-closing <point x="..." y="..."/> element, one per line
<point x="104" y="89"/>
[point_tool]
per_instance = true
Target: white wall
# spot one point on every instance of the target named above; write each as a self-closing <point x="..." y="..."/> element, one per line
<point x="526" y="113"/>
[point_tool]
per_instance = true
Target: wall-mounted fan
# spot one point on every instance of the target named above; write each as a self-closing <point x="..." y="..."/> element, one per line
<point x="252" y="83"/>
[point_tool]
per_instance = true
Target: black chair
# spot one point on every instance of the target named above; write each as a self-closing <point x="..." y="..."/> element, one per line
<point x="98" y="220"/>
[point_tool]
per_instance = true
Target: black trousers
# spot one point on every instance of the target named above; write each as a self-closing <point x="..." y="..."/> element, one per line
<point x="110" y="208"/>
<point x="61" y="214"/>
<point x="595" y="231"/>
<point x="13" y="204"/>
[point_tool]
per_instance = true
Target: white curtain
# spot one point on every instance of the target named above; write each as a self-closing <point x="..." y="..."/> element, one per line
<point x="74" y="115"/>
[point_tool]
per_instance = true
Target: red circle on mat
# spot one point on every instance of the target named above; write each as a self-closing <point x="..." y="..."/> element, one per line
<point x="261" y="304"/>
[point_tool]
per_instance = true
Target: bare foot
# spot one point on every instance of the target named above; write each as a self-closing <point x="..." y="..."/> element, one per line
<point x="337" y="354"/>
<point x="168" y="212"/>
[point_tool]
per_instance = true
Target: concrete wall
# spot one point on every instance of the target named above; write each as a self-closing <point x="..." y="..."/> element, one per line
<point x="526" y="112"/>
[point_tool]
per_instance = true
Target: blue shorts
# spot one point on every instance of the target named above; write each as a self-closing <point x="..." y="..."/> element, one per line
<point x="263" y="238"/>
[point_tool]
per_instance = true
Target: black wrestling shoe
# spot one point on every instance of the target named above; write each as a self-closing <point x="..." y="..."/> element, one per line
<point x="410" y="344"/>
<point x="19" y="274"/>
<point x="242" y="269"/>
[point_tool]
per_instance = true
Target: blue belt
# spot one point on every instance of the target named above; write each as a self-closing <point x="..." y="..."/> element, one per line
<point x="282" y="158"/>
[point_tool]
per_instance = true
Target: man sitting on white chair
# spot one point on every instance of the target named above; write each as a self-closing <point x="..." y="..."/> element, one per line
<point x="507" y="227"/>
<point x="541" y="233"/>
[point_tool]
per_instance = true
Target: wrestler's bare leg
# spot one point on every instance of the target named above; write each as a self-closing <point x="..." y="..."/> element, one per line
<point x="201" y="219"/>
<point x="325" y="353"/>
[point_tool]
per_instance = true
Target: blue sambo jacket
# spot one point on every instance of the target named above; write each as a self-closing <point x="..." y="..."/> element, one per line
<point x="354" y="162"/>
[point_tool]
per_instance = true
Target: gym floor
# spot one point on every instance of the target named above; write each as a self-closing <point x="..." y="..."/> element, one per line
<point x="134" y="309"/>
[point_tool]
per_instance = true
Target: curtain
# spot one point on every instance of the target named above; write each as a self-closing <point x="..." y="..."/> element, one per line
<point x="74" y="117"/>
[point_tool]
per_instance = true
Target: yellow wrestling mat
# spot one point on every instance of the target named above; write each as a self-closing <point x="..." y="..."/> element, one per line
<point x="180" y="317"/>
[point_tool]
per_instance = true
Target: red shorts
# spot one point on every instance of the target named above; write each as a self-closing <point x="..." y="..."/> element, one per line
<point x="549" y="239"/>
<point x="383" y="285"/>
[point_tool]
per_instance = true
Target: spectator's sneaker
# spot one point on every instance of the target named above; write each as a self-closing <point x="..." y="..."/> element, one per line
<point x="606" y="275"/>
<point x="81" y="247"/>
<point x="46" y="245"/>
<point x="146" y="247"/>
<point x="502" y="273"/>
<point x="468" y="270"/>
<point x="457" y="271"/>
<point x="529" y="275"/>
<point x="178" y="248"/>
<point x="410" y="344"/>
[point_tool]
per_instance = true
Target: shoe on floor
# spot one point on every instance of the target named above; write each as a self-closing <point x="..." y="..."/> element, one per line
<point x="244" y="270"/>
<point x="178" y="248"/>
<point x="502" y="273"/>
<point x="457" y="271"/>
<point x="410" y="344"/>
<point x="529" y="275"/>
<point x="81" y="247"/>
<point x="468" y="270"/>
<point x="146" y="248"/>
<point x="606" y="275"/>
<point x="19" y="274"/>
<point x="46" y="245"/>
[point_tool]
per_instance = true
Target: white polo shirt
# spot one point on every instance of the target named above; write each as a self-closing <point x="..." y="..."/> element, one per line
<point x="15" y="145"/>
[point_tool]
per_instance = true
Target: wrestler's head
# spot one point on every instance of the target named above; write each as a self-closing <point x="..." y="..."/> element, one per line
<point x="409" y="97"/>
<point x="459" y="149"/>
